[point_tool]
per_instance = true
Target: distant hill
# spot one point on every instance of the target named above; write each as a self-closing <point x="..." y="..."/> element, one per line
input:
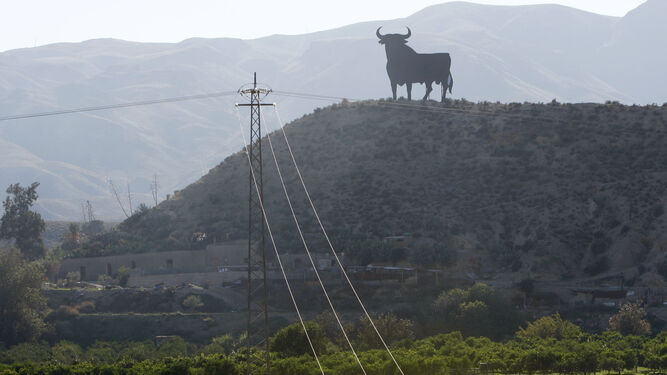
<point x="519" y="53"/>
<point x="547" y="191"/>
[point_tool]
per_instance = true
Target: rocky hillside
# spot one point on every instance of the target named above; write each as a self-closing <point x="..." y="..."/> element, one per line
<point x="545" y="190"/>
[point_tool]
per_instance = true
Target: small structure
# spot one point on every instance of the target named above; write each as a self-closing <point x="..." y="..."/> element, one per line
<point x="221" y="264"/>
<point x="157" y="262"/>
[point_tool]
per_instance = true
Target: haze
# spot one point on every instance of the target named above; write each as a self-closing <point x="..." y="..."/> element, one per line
<point x="37" y="22"/>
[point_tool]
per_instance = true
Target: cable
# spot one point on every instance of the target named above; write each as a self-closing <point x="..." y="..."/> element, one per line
<point x="310" y="257"/>
<point x="437" y="108"/>
<point x="121" y="105"/>
<point x="313" y="96"/>
<point x="273" y="242"/>
<point x="340" y="264"/>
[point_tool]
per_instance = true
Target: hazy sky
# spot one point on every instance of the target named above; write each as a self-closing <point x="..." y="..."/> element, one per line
<point x="27" y="23"/>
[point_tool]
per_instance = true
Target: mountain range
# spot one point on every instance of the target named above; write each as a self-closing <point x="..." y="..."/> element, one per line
<point x="500" y="53"/>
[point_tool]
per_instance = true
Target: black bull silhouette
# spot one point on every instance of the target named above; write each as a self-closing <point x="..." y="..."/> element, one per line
<point x="405" y="66"/>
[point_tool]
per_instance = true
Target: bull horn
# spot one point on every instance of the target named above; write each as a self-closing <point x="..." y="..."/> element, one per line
<point x="406" y="36"/>
<point x="378" y="33"/>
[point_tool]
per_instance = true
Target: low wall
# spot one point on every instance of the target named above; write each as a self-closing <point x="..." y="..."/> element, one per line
<point x="212" y="279"/>
<point x="158" y="262"/>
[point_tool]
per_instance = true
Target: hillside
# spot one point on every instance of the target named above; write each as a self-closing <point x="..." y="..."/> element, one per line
<point x="547" y="191"/>
<point x="506" y="53"/>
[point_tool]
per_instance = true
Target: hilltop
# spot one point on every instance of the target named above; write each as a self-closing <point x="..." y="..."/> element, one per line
<point x="548" y="191"/>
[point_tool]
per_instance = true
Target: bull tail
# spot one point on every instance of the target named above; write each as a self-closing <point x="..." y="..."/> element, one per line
<point x="451" y="82"/>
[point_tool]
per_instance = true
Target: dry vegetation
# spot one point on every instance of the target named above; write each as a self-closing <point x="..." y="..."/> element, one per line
<point x="555" y="191"/>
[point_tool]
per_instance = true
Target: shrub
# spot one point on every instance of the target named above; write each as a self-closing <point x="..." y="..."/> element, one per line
<point x="66" y="352"/>
<point x="192" y="302"/>
<point x="629" y="320"/>
<point x="123" y="276"/>
<point x="86" y="307"/>
<point x="221" y="344"/>
<point x="291" y="341"/>
<point x="550" y="326"/>
<point x="217" y="366"/>
<point x="64" y="312"/>
<point x="29" y="352"/>
<point x="391" y="327"/>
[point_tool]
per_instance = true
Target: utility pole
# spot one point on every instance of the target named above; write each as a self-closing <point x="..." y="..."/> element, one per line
<point x="89" y="210"/>
<point x="129" y="197"/>
<point x="154" y="188"/>
<point x="257" y="286"/>
<point x="83" y="213"/>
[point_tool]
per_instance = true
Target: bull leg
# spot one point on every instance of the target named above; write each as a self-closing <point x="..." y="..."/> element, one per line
<point x="429" y="88"/>
<point x="444" y="93"/>
<point x="393" y="89"/>
<point x="408" y="85"/>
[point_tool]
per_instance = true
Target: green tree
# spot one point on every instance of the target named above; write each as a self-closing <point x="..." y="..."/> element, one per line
<point x="473" y="318"/>
<point x="102" y="352"/>
<point x="611" y="360"/>
<point x="192" y="302"/>
<point x="71" y="238"/>
<point x="21" y="224"/>
<point x="30" y="352"/>
<point x="629" y="320"/>
<point x="655" y="352"/>
<point x="478" y="310"/>
<point x="124" y="276"/>
<point x="291" y="341"/>
<point x="22" y="309"/>
<point x="93" y="228"/>
<point x="391" y="327"/>
<point x="175" y="347"/>
<point x="329" y="325"/>
<point x="66" y="352"/>
<point x="221" y="344"/>
<point x="215" y="366"/>
<point x="552" y="326"/>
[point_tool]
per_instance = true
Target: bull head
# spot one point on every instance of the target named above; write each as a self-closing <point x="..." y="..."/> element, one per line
<point x="396" y="38"/>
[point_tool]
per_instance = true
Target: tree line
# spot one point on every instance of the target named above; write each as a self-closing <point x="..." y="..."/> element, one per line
<point x="546" y="346"/>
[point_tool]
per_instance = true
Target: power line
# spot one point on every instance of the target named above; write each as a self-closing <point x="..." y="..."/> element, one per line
<point x="313" y="96"/>
<point x="273" y="242"/>
<point x="438" y="108"/>
<point x="120" y="105"/>
<point x="310" y="257"/>
<point x="326" y="236"/>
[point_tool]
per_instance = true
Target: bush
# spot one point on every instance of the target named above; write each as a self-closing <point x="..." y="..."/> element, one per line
<point x="86" y="307"/>
<point x="29" y="352"/>
<point x="192" y="302"/>
<point x="123" y="276"/>
<point x="224" y="366"/>
<point x="23" y="307"/>
<point x="175" y="347"/>
<point x="66" y="352"/>
<point x="291" y="341"/>
<point x="391" y="327"/>
<point x="64" y="312"/>
<point x="550" y="326"/>
<point x="629" y="321"/>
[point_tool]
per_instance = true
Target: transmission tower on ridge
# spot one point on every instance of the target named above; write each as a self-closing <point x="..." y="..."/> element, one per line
<point x="257" y="286"/>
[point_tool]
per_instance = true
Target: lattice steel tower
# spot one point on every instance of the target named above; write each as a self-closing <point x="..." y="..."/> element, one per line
<point x="258" y="335"/>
